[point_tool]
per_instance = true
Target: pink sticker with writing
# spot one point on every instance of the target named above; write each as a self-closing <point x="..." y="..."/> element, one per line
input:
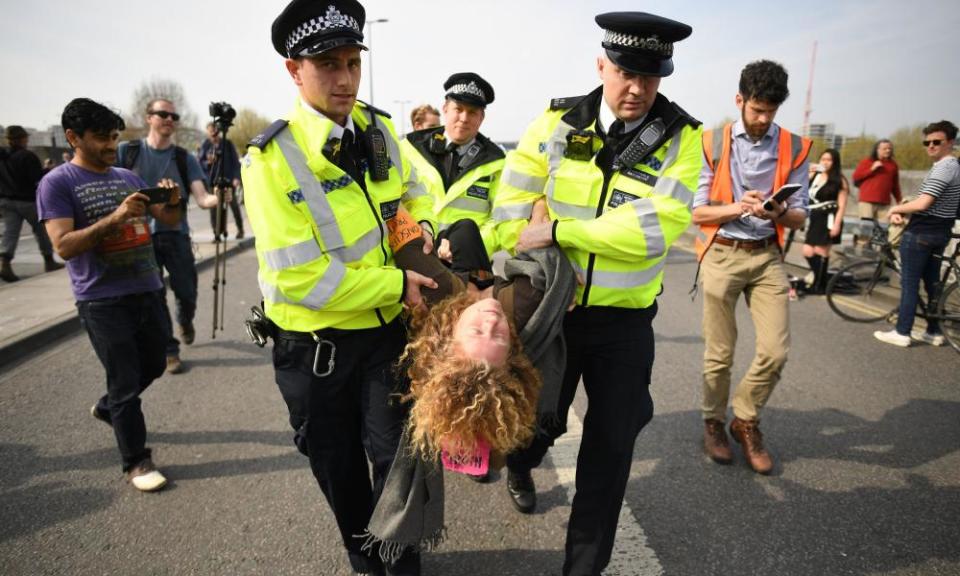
<point x="475" y="463"/>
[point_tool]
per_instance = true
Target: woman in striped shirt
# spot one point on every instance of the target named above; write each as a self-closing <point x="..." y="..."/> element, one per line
<point x="933" y="213"/>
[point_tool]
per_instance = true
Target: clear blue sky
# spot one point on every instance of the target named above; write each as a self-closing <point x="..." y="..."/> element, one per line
<point x="880" y="65"/>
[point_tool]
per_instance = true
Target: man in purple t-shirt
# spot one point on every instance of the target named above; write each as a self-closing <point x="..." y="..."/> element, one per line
<point x="96" y="221"/>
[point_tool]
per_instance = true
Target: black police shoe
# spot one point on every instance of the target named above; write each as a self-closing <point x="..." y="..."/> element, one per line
<point x="523" y="493"/>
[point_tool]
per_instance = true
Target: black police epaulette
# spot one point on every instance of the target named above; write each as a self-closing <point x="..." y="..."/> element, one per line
<point x="693" y="122"/>
<point x="376" y="110"/>
<point x="565" y="103"/>
<point x="262" y="139"/>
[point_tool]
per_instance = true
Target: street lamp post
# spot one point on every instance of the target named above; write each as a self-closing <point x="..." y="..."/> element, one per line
<point x="403" y="116"/>
<point x="370" y="23"/>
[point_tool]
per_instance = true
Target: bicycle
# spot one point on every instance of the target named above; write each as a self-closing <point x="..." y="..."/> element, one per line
<point x="869" y="290"/>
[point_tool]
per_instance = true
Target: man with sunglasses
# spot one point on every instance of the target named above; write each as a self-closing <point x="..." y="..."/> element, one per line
<point x="933" y="213"/>
<point x="154" y="158"/>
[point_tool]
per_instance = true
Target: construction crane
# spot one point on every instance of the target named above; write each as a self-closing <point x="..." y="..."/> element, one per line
<point x="808" y="107"/>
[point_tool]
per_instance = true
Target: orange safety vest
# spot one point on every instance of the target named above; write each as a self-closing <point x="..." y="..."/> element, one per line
<point x="792" y="151"/>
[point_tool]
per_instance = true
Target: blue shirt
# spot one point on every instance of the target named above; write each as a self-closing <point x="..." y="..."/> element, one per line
<point x="153" y="165"/>
<point x="753" y="166"/>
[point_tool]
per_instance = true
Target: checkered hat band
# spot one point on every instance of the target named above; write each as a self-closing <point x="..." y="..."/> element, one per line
<point x="471" y="88"/>
<point x="648" y="44"/>
<point x="332" y="20"/>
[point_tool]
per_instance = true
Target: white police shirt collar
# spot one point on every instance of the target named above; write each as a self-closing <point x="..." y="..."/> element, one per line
<point x="461" y="148"/>
<point x="337" y="130"/>
<point x="607" y="118"/>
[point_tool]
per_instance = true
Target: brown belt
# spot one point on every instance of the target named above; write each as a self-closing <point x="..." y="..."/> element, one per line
<point x="746" y="244"/>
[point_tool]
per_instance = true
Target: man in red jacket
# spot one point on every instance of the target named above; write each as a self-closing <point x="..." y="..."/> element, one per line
<point x="878" y="178"/>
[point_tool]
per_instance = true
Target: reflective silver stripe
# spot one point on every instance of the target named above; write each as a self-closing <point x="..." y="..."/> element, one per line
<point x="319" y="295"/>
<point x="283" y="258"/>
<point x="513" y="212"/>
<point x="555" y="147"/>
<point x="572" y="210"/>
<point x="674" y="189"/>
<point x="525" y="182"/>
<point x="415" y="191"/>
<point x="701" y="235"/>
<point x="313" y="194"/>
<point x="394" y="151"/>
<point x="471" y="204"/>
<point x="653" y="235"/>
<point x="623" y="280"/>
<point x="672" y="152"/>
<point x="364" y="244"/>
<point x="323" y="290"/>
<point x="443" y="225"/>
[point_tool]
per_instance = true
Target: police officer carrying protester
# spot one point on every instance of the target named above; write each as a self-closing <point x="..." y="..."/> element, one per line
<point x="458" y="164"/>
<point x="618" y="168"/>
<point x="739" y="246"/>
<point x="322" y="185"/>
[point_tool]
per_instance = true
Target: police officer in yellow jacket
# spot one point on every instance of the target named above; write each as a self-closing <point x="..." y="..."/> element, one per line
<point x="460" y="166"/>
<point x="322" y="185"/>
<point x="618" y="168"/>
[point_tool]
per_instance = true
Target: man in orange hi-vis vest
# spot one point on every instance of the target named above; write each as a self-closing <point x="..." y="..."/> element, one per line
<point x="739" y="246"/>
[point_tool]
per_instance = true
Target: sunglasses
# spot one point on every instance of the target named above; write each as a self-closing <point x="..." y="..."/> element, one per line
<point x="164" y="114"/>
<point x="931" y="143"/>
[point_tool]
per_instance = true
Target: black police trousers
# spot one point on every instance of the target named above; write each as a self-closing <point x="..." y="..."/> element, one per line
<point x="344" y="419"/>
<point x="612" y="349"/>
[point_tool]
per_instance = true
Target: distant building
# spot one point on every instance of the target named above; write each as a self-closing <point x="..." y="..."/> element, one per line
<point x="825" y="133"/>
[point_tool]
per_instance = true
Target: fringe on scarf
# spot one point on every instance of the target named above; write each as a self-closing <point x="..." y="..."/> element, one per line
<point x="390" y="551"/>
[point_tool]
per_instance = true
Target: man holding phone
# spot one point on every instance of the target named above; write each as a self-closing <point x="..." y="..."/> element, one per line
<point x="96" y="220"/>
<point x="739" y="248"/>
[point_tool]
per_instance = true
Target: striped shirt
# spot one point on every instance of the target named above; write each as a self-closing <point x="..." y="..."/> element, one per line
<point x="943" y="183"/>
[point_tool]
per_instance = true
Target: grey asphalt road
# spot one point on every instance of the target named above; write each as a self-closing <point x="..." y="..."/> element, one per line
<point x="866" y="439"/>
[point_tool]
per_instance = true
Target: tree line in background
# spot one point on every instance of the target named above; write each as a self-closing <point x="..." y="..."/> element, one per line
<point x="192" y="131"/>
<point x="908" y="152"/>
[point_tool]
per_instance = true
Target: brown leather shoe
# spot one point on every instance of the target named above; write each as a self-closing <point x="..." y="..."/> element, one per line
<point x="747" y="434"/>
<point x="715" y="441"/>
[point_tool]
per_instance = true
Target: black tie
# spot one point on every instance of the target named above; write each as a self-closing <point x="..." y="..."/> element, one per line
<point x="451" y="163"/>
<point x="610" y="145"/>
<point x="616" y="130"/>
<point x="348" y="157"/>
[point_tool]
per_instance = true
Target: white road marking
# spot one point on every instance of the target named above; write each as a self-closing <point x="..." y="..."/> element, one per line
<point x="631" y="555"/>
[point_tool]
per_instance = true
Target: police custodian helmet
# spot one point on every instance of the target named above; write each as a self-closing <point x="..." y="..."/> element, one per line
<point x="311" y="27"/>
<point x="641" y="43"/>
<point x="469" y="88"/>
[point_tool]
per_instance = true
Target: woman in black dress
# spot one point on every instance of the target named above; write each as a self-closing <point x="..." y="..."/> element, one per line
<point x="828" y="201"/>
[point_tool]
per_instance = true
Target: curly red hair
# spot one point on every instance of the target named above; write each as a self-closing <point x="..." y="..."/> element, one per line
<point x="456" y="399"/>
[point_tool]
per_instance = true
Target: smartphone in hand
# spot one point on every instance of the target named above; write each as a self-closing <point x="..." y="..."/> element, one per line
<point x="157" y="195"/>
<point x="781" y="195"/>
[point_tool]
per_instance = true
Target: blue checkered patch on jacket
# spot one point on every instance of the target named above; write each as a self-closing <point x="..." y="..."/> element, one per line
<point x="296" y="196"/>
<point x="331" y="185"/>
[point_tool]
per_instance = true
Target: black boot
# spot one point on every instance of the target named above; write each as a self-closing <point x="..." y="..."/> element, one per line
<point x="6" y="271"/>
<point x="49" y="264"/>
<point x="822" y="276"/>
<point x="523" y="492"/>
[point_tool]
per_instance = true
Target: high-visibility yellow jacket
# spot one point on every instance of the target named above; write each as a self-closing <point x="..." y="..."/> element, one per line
<point x="615" y="228"/>
<point x="472" y="193"/>
<point x="321" y="239"/>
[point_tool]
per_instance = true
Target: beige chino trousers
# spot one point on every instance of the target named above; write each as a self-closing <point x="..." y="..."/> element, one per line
<point x="759" y="275"/>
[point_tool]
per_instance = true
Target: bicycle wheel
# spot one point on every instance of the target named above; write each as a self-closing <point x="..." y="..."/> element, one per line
<point x="948" y="312"/>
<point x="864" y="291"/>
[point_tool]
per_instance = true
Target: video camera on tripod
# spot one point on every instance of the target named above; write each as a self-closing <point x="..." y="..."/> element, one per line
<point x="223" y="115"/>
